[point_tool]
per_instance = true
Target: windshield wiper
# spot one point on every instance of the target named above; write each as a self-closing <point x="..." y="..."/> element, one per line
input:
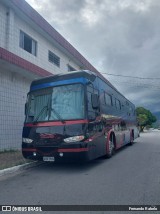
<point x="51" y="109"/>
<point x="40" y="113"/>
<point x="57" y="114"/>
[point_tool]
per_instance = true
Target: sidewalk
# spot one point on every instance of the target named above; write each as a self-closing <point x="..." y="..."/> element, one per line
<point x="12" y="161"/>
<point x="18" y="168"/>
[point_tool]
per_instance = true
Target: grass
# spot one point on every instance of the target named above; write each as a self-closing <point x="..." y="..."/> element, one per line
<point x="10" y="158"/>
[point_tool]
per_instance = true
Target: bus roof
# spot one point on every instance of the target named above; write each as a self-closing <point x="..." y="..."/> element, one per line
<point x="74" y="74"/>
<point x="58" y="77"/>
<point x="71" y="75"/>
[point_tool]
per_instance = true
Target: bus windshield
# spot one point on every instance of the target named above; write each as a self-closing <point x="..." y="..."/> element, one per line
<point x="57" y="103"/>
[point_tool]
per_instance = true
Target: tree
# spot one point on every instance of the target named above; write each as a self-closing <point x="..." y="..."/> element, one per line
<point x="144" y="117"/>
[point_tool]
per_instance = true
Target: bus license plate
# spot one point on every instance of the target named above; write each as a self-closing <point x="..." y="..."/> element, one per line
<point x="49" y="159"/>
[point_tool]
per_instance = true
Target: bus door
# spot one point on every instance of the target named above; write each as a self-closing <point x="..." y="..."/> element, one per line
<point x="125" y="131"/>
<point x="122" y="134"/>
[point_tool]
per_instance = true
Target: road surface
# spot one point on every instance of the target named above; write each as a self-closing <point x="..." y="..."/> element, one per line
<point x="130" y="177"/>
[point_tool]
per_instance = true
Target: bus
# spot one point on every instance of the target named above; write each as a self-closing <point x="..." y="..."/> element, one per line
<point x="76" y="116"/>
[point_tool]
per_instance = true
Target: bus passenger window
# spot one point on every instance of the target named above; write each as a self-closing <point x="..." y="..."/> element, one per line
<point x="108" y="99"/>
<point x="117" y="104"/>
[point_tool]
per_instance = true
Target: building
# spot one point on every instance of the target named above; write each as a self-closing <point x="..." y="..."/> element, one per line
<point x="29" y="48"/>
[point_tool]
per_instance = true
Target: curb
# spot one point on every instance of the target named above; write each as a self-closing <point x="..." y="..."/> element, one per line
<point x="18" y="168"/>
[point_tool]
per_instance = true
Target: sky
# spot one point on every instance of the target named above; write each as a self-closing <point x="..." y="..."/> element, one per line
<point x="118" y="37"/>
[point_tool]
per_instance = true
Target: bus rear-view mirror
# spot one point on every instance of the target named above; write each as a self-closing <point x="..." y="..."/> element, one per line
<point x="95" y="101"/>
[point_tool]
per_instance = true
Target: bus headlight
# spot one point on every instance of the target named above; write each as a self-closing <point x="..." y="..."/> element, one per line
<point x="74" y="139"/>
<point x="27" y="140"/>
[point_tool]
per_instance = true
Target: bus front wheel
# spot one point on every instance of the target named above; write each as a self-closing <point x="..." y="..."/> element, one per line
<point x="110" y="148"/>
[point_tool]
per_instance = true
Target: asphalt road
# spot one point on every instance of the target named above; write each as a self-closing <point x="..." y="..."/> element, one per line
<point x="130" y="177"/>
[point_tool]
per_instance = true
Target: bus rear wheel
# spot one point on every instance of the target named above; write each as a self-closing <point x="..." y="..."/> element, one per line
<point x="131" y="139"/>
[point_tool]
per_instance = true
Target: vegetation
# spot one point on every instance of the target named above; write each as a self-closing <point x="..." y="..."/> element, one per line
<point x="145" y="118"/>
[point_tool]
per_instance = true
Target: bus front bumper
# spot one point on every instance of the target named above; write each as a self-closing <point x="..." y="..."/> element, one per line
<point x="56" y="154"/>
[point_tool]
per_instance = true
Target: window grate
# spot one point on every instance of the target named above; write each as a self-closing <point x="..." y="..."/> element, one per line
<point x="53" y="58"/>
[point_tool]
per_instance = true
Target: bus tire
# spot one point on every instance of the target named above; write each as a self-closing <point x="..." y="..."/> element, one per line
<point x="131" y="139"/>
<point x="110" y="148"/>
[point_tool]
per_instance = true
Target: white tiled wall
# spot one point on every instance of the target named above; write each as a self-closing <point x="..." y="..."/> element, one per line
<point x="2" y="25"/>
<point x="14" y="87"/>
<point x="13" y="90"/>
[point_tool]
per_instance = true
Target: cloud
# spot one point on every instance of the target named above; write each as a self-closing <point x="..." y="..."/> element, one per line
<point x="118" y="37"/>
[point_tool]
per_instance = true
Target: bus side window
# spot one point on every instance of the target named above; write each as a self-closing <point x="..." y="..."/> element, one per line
<point x="123" y="125"/>
<point x="108" y="99"/>
<point x="117" y="104"/>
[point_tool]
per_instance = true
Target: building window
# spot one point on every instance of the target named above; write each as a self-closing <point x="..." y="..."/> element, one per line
<point x="27" y="43"/>
<point x="70" y="68"/>
<point x="53" y="58"/>
<point x="108" y="99"/>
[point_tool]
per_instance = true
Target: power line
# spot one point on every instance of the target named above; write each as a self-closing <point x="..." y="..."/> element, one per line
<point x="136" y="84"/>
<point x="149" y="84"/>
<point x="135" y="77"/>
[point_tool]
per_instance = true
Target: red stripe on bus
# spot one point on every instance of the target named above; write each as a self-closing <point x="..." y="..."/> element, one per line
<point x="29" y="150"/>
<point x="59" y="150"/>
<point x="56" y="123"/>
<point x="74" y="150"/>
